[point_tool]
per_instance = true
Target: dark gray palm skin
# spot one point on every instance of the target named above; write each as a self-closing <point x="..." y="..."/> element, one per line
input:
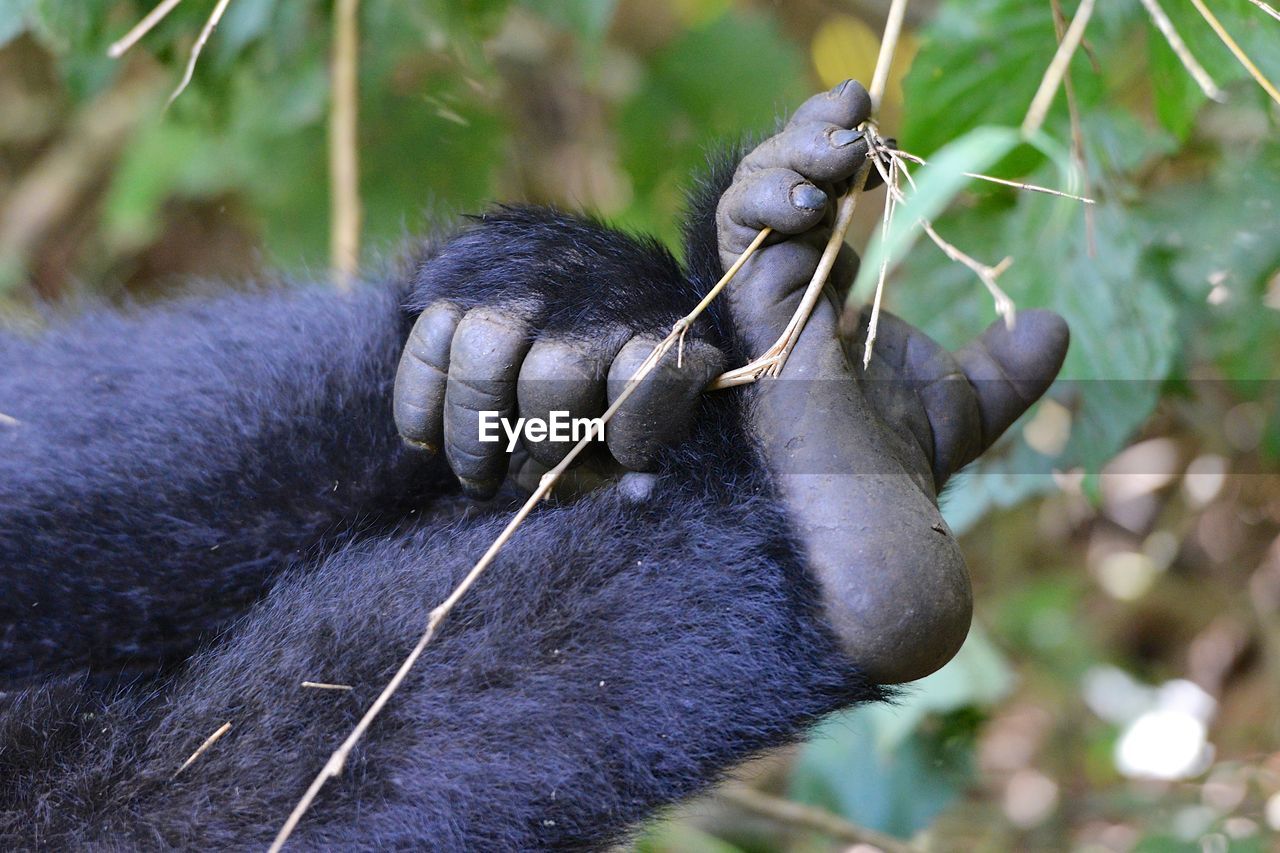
<point x="858" y="457"/>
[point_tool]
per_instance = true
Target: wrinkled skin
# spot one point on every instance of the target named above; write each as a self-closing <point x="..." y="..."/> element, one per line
<point x="859" y="457"/>
<point x="458" y="364"/>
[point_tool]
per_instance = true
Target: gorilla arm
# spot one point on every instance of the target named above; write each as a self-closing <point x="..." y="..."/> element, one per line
<point x="166" y="463"/>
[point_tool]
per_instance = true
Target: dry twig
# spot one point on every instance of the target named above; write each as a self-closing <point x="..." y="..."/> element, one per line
<point x="333" y="767"/>
<point x="890" y="205"/>
<point x="205" y="32"/>
<point x="344" y="162"/>
<point x="1264" y="7"/>
<point x="1180" y="50"/>
<point x="986" y="274"/>
<point x="1077" y="133"/>
<point x="1240" y="55"/>
<point x="1057" y="69"/>
<point x="119" y="47"/>
<point x="202" y="748"/>
<point x="775" y="358"/>
<point x="1019" y="185"/>
<point x="808" y="818"/>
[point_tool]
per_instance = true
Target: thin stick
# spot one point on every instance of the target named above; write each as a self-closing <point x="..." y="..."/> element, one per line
<point x="1180" y="50"/>
<point x="986" y="274"/>
<point x="1057" y="68"/>
<point x="324" y="685"/>
<point x="809" y="817"/>
<point x="344" y="161"/>
<point x="1077" y="132"/>
<point x="205" y="32"/>
<point x="200" y="750"/>
<point x="1035" y="188"/>
<point x="140" y="29"/>
<point x="888" y="46"/>
<point x="890" y="204"/>
<point x="1264" y="7"/>
<point x="333" y="767"/>
<point x="775" y="357"/>
<point x="1212" y="20"/>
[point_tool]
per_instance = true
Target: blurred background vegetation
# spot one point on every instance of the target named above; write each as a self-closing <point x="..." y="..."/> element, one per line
<point x="1121" y="687"/>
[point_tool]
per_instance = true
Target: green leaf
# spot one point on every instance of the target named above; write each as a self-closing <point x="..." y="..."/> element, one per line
<point x="979" y="63"/>
<point x="977" y="676"/>
<point x="708" y="87"/>
<point x="878" y="766"/>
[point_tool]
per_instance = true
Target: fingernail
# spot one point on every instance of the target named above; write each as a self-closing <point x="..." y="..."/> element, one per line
<point x="841" y="138"/>
<point x="808" y="197"/>
<point x="838" y="89"/>
<point x="421" y="446"/>
<point x="479" y="489"/>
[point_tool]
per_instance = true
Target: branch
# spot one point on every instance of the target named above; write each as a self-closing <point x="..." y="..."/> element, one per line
<point x="986" y="274"/>
<point x="1035" y="188"/>
<point x="1264" y="7"/>
<point x="1057" y="70"/>
<point x="888" y="46"/>
<point x="1212" y="20"/>
<point x="1180" y="50"/>
<point x="333" y="767"/>
<point x="890" y="205"/>
<point x="775" y="358"/>
<point x="205" y="32"/>
<point x="809" y="818"/>
<point x="119" y="47"/>
<point x="344" y="161"/>
<point x="1077" y="132"/>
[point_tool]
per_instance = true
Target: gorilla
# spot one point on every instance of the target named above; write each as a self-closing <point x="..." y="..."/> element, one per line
<point x="206" y="503"/>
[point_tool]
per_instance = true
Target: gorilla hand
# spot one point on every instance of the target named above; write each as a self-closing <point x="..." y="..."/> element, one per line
<point x="859" y="457"/>
<point x="531" y="311"/>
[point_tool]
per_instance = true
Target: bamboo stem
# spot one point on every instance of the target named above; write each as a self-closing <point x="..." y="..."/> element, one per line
<point x="344" y="160"/>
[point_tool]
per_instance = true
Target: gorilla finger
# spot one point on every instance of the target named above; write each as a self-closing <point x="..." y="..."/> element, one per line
<point x="661" y="410"/>
<point x="911" y="367"/>
<point x="777" y="198"/>
<point x="847" y="105"/>
<point x="769" y="289"/>
<point x="564" y="376"/>
<point x="483" y="364"/>
<point x="819" y="152"/>
<point x="1010" y="369"/>
<point x="418" y="399"/>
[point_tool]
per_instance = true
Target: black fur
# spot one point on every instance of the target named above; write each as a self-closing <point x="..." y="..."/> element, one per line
<point x="169" y="468"/>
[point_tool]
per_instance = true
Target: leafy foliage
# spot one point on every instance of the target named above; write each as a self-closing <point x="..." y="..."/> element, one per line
<point x="1174" y="274"/>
